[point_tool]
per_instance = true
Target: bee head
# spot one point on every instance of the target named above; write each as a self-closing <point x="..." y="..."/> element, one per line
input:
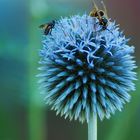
<point x="100" y="12"/>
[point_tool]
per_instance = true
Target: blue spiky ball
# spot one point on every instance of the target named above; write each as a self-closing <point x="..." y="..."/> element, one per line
<point x="85" y="69"/>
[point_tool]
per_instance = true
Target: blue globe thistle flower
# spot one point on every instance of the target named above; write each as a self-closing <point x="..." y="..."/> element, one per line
<point x="85" y="69"/>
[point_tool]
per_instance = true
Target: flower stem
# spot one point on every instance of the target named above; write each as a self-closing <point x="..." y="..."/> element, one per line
<point x="92" y="127"/>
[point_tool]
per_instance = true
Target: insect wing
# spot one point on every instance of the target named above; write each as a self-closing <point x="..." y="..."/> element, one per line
<point x="43" y="26"/>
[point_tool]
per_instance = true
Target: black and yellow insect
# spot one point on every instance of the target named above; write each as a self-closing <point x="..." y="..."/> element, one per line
<point x="47" y="27"/>
<point x="101" y="15"/>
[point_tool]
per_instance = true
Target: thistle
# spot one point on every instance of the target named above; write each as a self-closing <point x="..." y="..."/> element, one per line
<point x="86" y="70"/>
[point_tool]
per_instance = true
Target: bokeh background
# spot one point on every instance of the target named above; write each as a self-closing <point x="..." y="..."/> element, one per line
<point x="23" y="115"/>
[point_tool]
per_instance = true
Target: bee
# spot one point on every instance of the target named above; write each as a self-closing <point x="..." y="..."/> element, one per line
<point x="101" y="15"/>
<point x="47" y="27"/>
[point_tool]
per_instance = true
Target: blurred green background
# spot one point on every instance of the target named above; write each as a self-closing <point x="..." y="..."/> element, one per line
<point x="23" y="116"/>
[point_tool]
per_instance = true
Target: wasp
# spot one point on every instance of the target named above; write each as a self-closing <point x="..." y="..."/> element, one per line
<point x="47" y="27"/>
<point x="101" y="15"/>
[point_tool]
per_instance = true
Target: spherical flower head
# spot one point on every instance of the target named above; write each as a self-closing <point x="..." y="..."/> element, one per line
<point x="86" y="69"/>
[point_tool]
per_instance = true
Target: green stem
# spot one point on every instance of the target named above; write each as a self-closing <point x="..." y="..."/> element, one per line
<point x="92" y="127"/>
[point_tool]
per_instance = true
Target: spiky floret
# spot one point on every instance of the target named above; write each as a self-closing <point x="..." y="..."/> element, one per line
<point x="86" y="69"/>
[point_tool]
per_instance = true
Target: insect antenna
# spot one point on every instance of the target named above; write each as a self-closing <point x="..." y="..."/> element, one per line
<point x="94" y="10"/>
<point x="105" y="9"/>
<point x="94" y="4"/>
